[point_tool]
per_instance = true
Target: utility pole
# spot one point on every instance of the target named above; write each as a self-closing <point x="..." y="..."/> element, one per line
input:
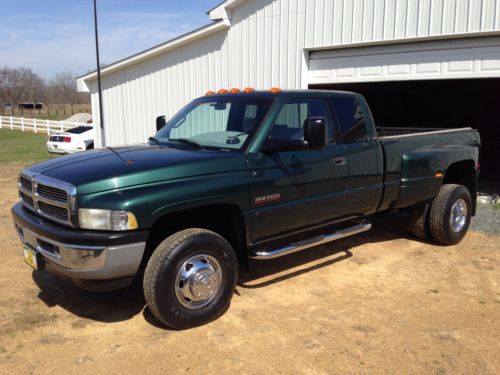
<point x="101" y="118"/>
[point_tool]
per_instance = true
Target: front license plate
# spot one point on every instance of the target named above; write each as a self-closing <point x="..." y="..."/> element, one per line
<point x="30" y="256"/>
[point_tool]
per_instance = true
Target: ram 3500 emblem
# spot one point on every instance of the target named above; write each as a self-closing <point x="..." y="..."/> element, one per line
<point x="267" y="198"/>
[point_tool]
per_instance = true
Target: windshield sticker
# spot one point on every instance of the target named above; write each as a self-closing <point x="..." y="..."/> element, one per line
<point x="267" y="198"/>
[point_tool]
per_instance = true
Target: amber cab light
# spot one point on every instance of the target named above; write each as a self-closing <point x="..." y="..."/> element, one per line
<point x="276" y="90"/>
<point x="234" y="91"/>
<point x="223" y="91"/>
<point x="208" y="93"/>
<point x="249" y="90"/>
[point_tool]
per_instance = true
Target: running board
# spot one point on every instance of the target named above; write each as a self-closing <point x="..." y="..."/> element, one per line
<point x="310" y="242"/>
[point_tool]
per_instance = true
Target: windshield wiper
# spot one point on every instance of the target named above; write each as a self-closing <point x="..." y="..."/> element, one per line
<point x="154" y="140"/>
<point x="187" y="141"/>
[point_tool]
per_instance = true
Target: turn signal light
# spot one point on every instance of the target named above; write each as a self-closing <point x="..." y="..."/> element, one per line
<point x="276" y="90"/>
<point x="223" y="91"/>
<point x="208" y="93"/>
<point x="234" y="91"/>
<point x="249" y="90"/>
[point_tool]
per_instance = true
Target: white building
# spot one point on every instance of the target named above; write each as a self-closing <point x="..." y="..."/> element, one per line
<point x="418" y="62"/>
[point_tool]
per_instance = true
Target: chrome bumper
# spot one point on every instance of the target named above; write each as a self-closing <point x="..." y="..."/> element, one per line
<point x="79" y="262"/>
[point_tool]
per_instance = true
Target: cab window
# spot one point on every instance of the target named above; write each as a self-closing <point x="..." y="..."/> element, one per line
<point x="351" y="120"/>
<point x="289" y="124"/>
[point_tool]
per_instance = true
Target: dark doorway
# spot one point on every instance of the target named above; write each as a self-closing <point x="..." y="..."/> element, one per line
<point x="450" y="103"/>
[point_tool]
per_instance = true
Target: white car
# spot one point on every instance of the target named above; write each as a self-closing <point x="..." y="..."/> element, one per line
<point x="77" y="139"/>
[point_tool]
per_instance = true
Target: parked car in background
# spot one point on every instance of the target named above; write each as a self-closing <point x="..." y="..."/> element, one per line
<point x="77" y="139"/>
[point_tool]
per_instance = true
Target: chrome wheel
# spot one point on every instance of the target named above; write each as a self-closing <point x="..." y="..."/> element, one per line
<point x="198" y="281"/>
<point x="458" y="216"/>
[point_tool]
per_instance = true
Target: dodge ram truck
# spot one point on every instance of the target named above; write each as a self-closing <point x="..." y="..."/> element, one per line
<point x="236" y="176"/>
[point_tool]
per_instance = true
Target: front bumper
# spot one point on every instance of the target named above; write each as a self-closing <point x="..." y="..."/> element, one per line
<point x="92" y="260"/>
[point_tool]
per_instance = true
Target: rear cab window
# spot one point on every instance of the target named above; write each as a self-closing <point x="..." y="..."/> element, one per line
<point x="351" y="119"/>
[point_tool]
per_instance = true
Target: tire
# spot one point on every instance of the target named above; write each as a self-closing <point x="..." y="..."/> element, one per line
<point x="90" y="146"/>
<point x="169" y="267"/>
<point x="419" y="219"/>
<point x="442" y="230"/>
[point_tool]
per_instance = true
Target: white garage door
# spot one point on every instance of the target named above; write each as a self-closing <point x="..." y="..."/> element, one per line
<point x="465" y="58"/>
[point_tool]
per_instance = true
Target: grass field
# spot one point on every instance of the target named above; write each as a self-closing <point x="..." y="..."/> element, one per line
<point x="22" y="147"/>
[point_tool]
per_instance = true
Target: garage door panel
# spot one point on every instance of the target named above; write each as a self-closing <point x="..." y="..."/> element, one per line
<point x="432" y="60"/>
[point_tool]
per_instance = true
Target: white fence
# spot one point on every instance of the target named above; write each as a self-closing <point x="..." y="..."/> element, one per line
<point x="37" y="125"/>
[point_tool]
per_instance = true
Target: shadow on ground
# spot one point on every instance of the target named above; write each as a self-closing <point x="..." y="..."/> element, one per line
<point x="124" y="304"/>
<point x="108" y="307"/>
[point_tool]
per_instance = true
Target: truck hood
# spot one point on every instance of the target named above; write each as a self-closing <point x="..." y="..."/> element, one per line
<point x="114" y="168"/>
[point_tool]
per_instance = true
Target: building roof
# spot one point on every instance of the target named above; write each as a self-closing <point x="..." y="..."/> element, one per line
<point x="220" y="16"/>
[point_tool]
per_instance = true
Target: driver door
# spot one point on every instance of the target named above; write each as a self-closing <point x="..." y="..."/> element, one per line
<point x="295" y="190"/>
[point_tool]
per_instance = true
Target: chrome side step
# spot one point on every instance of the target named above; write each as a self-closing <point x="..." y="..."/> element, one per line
<point x="310" y="242"/>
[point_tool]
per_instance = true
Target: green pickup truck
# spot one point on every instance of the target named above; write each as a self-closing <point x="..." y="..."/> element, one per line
<point x="235" y="176"/>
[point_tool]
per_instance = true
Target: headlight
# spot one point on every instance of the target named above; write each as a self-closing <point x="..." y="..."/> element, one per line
<point x="92" y="218"/>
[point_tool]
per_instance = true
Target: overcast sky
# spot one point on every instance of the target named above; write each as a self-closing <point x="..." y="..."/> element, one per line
<point x="49" y="36"/>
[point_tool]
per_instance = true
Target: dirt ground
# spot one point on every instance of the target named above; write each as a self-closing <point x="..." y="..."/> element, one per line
<point x="378" y="302"/>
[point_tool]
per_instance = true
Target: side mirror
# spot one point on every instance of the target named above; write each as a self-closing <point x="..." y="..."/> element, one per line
<point x="160" y="122"/>
<point x="316" y="132"/>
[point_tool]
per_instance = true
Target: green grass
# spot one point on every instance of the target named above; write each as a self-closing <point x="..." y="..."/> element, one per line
<point x="23" y="147"/>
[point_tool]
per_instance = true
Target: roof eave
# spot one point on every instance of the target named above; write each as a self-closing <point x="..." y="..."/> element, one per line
<point x="222" y="24"/>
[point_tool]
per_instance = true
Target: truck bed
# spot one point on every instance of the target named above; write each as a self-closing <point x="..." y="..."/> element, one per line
<point x="416" y="160"/>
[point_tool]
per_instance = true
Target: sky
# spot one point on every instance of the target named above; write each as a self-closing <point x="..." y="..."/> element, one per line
<point x="51" y="36"/>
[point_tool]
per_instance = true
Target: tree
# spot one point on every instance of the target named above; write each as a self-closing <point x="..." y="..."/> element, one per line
<point x="64" y="84"/>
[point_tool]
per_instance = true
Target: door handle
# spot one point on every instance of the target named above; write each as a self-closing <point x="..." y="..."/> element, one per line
<point x="339" y="161"/>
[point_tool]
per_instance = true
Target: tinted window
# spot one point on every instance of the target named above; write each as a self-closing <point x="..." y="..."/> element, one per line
<point x="290" y="122"/>
<point x="351" y="120"/>
<point x="79" y="129"/>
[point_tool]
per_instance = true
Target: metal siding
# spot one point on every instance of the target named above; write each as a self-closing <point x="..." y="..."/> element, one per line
<point x="263" y="48"/>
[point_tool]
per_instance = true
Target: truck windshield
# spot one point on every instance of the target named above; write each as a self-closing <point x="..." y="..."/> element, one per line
<point x="216" y="122"/>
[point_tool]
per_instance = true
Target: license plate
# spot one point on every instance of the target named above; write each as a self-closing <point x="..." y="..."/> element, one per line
<point x="30" y="256"/>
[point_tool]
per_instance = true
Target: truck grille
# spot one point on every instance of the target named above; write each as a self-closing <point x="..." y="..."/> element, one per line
<point x="48" y="197"/>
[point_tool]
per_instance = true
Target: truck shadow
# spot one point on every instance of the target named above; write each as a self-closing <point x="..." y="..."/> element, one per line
<point x="105" y="307"/>
<point x="385" y="227"/>
<point x="124" y="304"/>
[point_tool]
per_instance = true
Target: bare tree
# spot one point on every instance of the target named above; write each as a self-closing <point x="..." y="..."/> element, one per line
<point x="64" y="84"/>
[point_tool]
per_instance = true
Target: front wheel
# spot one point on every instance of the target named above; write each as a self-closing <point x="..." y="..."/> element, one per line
<point x="450" y="214"/>
<point x="190" y="278"/>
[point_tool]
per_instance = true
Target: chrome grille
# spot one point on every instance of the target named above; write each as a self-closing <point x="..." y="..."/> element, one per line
<point x="26" y="183"/>
<point x="52" y="193"/>
<point x="49" y="209"/>
<point x="26" y="199"/>
<point x="48" y="197"/>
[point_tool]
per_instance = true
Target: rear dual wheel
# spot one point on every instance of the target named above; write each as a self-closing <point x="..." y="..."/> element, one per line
<point x="447" y="219"/>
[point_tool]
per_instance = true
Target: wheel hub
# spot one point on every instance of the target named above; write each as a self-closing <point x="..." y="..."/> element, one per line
<point x="458" y="215"/>
<point x="198" y="281"/>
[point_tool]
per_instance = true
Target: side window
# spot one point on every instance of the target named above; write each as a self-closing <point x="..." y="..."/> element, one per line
<point x="289" y="123"/>
<point x="351" y="120"/>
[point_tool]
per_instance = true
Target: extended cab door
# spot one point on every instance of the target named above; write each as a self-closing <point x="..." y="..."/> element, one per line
<point x="364" y="154"/>
<point x="294" y="190"/>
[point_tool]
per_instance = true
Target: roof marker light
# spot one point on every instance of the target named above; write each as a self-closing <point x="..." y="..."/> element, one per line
<point x="208" y="93"/>
<point x="223" y="91"/>
<point x="249" y="90"/>
<point x="234" y="91"/>
<point x="276" y="90"/>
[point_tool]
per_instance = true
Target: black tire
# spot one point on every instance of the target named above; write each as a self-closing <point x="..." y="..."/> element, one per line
<point x="419" y="219"/>
<point x="441" y="210"/>
<point x="166" y="262"/>
<point x="90" y="146"/>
